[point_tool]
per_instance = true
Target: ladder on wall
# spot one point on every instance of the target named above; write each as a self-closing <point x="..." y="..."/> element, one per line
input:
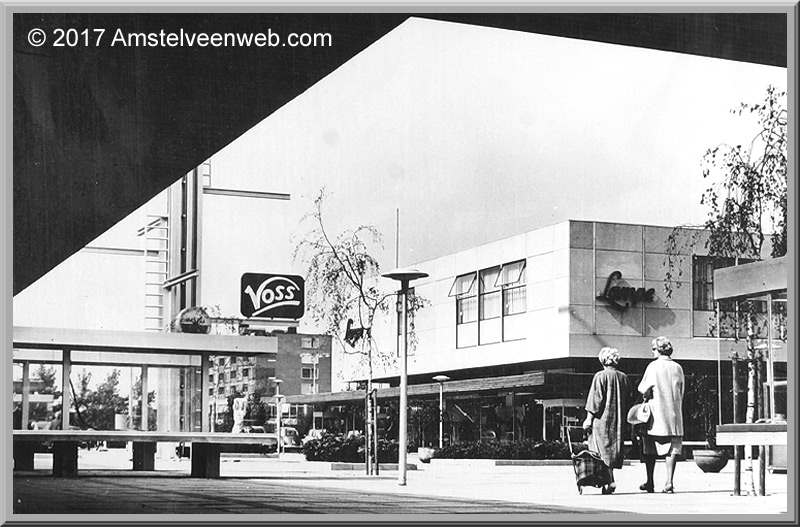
<point x="156" y="270"/>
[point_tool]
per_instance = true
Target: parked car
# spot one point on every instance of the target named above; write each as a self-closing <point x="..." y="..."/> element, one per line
<point x="290" y="441"/>
<point x="290" y="438"/>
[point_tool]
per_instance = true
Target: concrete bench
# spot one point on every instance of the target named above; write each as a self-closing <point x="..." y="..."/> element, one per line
<point x="205" y="452"/>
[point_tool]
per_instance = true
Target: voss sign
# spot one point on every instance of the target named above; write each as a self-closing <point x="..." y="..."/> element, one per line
<point x="272" y="296"/>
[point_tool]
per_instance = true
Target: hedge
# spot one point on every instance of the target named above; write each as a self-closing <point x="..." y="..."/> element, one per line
<point x="342" y="449"/>
<point x="338" y="448"/>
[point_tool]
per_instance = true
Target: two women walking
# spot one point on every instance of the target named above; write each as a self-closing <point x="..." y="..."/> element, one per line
<point x="609" y="399"/>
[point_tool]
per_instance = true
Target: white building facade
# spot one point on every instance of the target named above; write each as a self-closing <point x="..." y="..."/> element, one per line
<point x="517" y="324"/>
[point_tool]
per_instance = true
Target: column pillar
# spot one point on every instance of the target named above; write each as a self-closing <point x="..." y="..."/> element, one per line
<point x="145" y="391"/>
<point x="26" y="394"/>
<point x="205" y="398"/>
<point x="66" y="392"/>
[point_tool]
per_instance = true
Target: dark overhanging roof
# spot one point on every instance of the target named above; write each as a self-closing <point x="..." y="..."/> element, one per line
<point x="540" y="384"/>
<point x="99" y="132"/>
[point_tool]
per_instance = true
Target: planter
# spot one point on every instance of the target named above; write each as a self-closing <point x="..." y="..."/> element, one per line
<point x="710" y="460"/>
<point x="425" y="454"/>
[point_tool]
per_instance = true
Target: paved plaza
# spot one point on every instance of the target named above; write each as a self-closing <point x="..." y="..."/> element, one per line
<point x="256" y="485"/>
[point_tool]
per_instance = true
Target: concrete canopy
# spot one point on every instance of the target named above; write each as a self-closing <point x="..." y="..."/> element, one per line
<point x="99" y="130"/>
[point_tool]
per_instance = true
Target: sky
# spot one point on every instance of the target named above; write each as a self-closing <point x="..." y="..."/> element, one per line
<point x="483" y="133"/>
<point x="474" y="134"/>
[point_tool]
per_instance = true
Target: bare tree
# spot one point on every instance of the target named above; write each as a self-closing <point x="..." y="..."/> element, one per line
<point x="343" y="296"/>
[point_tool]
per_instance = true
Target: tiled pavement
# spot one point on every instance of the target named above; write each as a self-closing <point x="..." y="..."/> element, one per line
<point x="260" y="486"/>
<point x="181" y="495"/>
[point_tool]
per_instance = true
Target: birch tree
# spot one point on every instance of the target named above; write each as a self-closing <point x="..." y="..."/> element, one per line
<point x="343" y="296"/>
<point x="747" y="202"/>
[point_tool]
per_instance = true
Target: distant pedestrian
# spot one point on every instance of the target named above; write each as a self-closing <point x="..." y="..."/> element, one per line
<point x="662" y="387"/>
<point x="606" y="409"/>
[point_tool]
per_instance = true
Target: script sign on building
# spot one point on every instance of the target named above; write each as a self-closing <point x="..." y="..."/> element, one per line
<point x="272" y="296"/>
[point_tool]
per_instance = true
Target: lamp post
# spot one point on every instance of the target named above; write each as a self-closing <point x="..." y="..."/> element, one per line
<point x="278" y="398"/>
<point x="404" y="276"/>
<point x="441" y="379"/>
<point x="315" y="372"/>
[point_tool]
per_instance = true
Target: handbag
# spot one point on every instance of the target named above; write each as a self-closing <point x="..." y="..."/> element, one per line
<point x="640" y="414"/>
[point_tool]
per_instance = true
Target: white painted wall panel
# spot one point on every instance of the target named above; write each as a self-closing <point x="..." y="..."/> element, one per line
<point x="617" y="237"/>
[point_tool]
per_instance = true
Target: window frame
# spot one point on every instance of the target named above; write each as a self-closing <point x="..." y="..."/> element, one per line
<point x="466" y="304"/>
<point x="518" y="284"/>
<point x="727" y="308"/>
<point x="494" y="291"/>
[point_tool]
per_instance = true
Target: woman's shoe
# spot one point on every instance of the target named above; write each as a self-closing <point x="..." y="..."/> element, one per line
<point x="668" y="490"/>
<point x="647" y="487"/>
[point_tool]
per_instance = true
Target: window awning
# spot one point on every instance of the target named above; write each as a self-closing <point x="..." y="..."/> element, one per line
<point x="463" y="285"/>
<point x="510" y="274"/>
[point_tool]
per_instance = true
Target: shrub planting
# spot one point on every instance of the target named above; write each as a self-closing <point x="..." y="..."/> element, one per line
<point x="338" y="448"/>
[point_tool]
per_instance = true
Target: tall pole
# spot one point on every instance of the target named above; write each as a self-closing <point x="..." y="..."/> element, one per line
<point x="441" y="379"/>
<point x="441" y="415"/>
<point x="404" y="276"/>
<point x="278" y="415"/>
<point x="403" y="434"/>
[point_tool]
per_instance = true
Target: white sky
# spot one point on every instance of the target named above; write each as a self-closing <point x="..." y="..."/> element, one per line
<point x="477" y="134"/>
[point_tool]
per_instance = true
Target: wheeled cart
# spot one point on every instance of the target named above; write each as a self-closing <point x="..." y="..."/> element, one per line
<point x="590" y="471"/>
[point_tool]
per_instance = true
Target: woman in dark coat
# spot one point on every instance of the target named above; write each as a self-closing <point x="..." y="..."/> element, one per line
<point x="607" y="407"/>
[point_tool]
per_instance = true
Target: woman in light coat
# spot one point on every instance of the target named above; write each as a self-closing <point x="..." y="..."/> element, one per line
<point x="662" y="387"/>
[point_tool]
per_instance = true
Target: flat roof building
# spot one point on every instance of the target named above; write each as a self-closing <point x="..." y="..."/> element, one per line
<point x="517" y="324"/>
